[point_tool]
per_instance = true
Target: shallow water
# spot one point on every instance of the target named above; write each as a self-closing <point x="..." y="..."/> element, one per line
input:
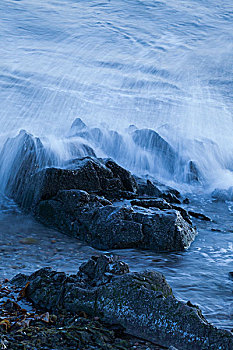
<point x="199" y="274"/>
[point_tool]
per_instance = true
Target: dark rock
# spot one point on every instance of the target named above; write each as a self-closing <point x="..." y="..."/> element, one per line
<point x="99" y="270"/>
<point x="86" y="173"/>
<point x="165" y="230"/>
<point x="147" y="188"/>
<point x="152" y="188"/>
<point x="151" y="203"/>
<point x="183" y="212"/>
<point x="108" y="226"/>
<point x="125" y="176"/>
<point x="231" y="275"/>
<point x="216" y="230"/>
<point x="171" y="197"/>
<point x="142" y="303"/>
<point x="186" y="201"/>
<point x="20" y="280"/>
<point x="199" y="216"/>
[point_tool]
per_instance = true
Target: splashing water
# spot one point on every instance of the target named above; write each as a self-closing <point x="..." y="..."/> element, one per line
<point x="157" y="64"/>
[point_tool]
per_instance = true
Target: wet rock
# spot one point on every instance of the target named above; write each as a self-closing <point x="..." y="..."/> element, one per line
<point x="171" y="197"/>
<point x="185" y="215"/>
<point x="111" y="142"/>
<point x="142" y="303"/>
<point x="40" y="329"/>
<point x="152" y="188"/>
<point x="199" y="216"/>
<point x="231" y="275"/>
<point x="107" y="226"/>
<point x="147" y="188"/>
<point x="86" y="173"/>
<point x="163" y="205"/>
<point x="125" y="176"/>
<point x="151" y="203"/>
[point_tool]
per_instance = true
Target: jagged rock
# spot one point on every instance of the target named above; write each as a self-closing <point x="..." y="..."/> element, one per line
<point x="126" y="177"/>
<point x="151" y="203"/>
<point x="171" y="197"/>
<point x="142" y="303"/>
<point x="106" y="226"/>
<point x="199" y="216"/>
<point x="86" y="173"/>
<point x="161" y="204"/>
<point x="186" y="201"/>
<point x="147" y="188"/>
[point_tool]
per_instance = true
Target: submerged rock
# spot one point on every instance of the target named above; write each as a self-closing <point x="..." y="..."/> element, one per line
<point x="142" y="303"/>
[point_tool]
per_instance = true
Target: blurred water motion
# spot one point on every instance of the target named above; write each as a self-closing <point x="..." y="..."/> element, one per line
<point x="164" y="65"/>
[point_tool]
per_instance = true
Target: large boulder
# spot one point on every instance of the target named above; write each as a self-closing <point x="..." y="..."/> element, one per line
<point x="105" y="226"/>
<point x="142" y="303"/>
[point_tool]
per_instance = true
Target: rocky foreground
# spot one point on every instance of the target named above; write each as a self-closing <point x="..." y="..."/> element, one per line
<point x="98" y="306"/>
<point x="103" y="306"/>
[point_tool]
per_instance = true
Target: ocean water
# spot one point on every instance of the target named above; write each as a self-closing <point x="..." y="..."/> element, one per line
<point x="165" y="65"/>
